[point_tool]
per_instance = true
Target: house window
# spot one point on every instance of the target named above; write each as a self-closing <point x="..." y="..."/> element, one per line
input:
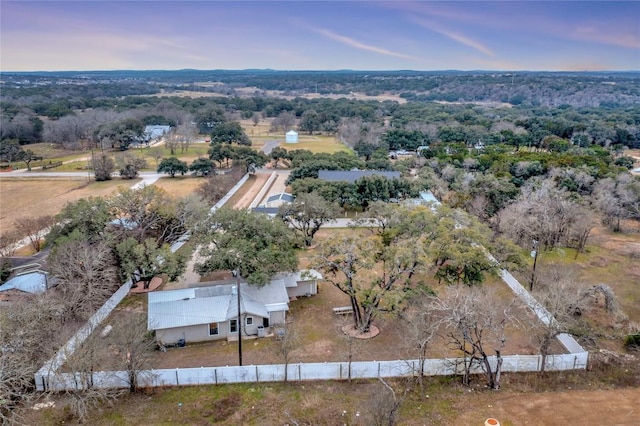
<point x="233" y="326"/>
<point x="213" y="329"/>
<point x="249" y="321"/>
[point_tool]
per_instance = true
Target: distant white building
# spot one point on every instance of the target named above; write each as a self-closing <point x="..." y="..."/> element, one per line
<point x="291" y="136"/>
<point x="425" y="198"/>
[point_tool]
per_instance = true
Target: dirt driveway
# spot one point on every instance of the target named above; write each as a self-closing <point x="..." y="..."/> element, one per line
<point x="251" y="189"/>
<point x="598" y="407"/>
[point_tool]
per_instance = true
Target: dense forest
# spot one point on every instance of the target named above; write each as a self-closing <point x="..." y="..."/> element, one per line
<point x="522" y="109"/>
<point x="507" y="139"/>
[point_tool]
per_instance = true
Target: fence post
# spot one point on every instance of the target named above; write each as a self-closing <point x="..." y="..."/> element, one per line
<point x="177" y="380"/>
<point x="378" y="369"/>
<point x="300" y="371"/>
<point x="539" y="363"/>
<point x="215" y="373"/>
<point x="340" y="371"/>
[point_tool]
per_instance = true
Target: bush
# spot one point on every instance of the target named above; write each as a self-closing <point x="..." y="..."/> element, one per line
<point x="632" y="341"/>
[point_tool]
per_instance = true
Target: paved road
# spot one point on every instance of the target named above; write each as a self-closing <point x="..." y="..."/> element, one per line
<point x="146" y="176"/>
<point x="268" y="146"/>
<point x="40" y="258"/>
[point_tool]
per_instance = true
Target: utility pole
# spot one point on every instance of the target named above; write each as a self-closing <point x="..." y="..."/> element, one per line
<point x="236" y="273"/>
<point x="93" y="165"/>
<point x="534" y="254"/>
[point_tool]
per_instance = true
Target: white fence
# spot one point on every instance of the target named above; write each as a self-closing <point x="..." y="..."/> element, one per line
<point x="231" y="192"/>
<point x="304" y="372"/>
<point x="52" y="365"/>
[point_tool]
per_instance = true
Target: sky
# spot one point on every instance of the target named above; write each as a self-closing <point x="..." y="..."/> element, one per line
<point x="319" y="35"/>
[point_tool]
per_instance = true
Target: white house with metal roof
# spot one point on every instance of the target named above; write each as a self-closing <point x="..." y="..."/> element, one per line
<point x="152" y="132"/>
<point x="211" y="312"/>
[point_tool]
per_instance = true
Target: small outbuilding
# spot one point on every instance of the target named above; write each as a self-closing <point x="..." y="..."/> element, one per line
<point x="291" y="136"/>
<point x="276" y="200"/>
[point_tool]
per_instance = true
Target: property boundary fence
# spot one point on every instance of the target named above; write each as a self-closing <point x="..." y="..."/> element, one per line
<point x="53" y="364"/>
<point x="231" y="193"/>
<point x="303" y="372"/>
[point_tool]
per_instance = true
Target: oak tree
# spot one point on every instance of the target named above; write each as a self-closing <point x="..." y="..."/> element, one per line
<point x="255" y="245"/>
<point x="306" y="214"/>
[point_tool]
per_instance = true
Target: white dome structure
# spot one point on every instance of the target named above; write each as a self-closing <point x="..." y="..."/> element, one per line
<point x="291" y="136"/>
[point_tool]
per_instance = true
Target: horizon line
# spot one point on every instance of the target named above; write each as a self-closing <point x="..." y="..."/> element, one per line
<point x="321" y="70"/>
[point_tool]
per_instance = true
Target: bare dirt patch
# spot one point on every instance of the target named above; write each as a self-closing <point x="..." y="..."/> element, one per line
<point x="598" y="407"/>
<point x="336" y="403"/>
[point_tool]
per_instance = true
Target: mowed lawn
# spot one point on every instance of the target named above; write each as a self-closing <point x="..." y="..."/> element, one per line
<point x="261" y="133"/>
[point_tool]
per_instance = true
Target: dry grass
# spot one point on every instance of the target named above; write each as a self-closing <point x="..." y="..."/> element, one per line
<point x="39" y="197"/>
<point x="318" y="143"/>
<point x="179" y="186"/>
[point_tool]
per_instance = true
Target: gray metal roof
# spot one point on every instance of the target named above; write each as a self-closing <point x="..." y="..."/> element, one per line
<point x="274" y="292"/>
<point x="269" y="211"/>
<point x="155" y="131"/>
<point x="282" y="196"/>
<point x="33" y="282"/>
<point x="291" y="279"/>
<point x="428" y="197"/>
<point x="353" y="175"/>
<point x="204" y="305"/>
<point x="182" y="313"/>
<point x="248" y="305"/>
<point x="125" y="223"/>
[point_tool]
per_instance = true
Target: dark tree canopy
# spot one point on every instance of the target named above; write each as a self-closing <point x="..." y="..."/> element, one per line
<point x="249" y="158"/>
<point x="254" y="244"/>
<point x="229" y="133"/>
<point x="201" y="166"/>
<point x="405" y="139"/>
<point x="87" y="216"/>
<point x="220" y="152"/>
<point x="172" y="165"/>
<point x="120" y="134"/>
<point x="11" y="151"/>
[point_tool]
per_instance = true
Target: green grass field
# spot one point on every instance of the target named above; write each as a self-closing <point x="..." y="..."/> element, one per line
<point x="261" y="133"/>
